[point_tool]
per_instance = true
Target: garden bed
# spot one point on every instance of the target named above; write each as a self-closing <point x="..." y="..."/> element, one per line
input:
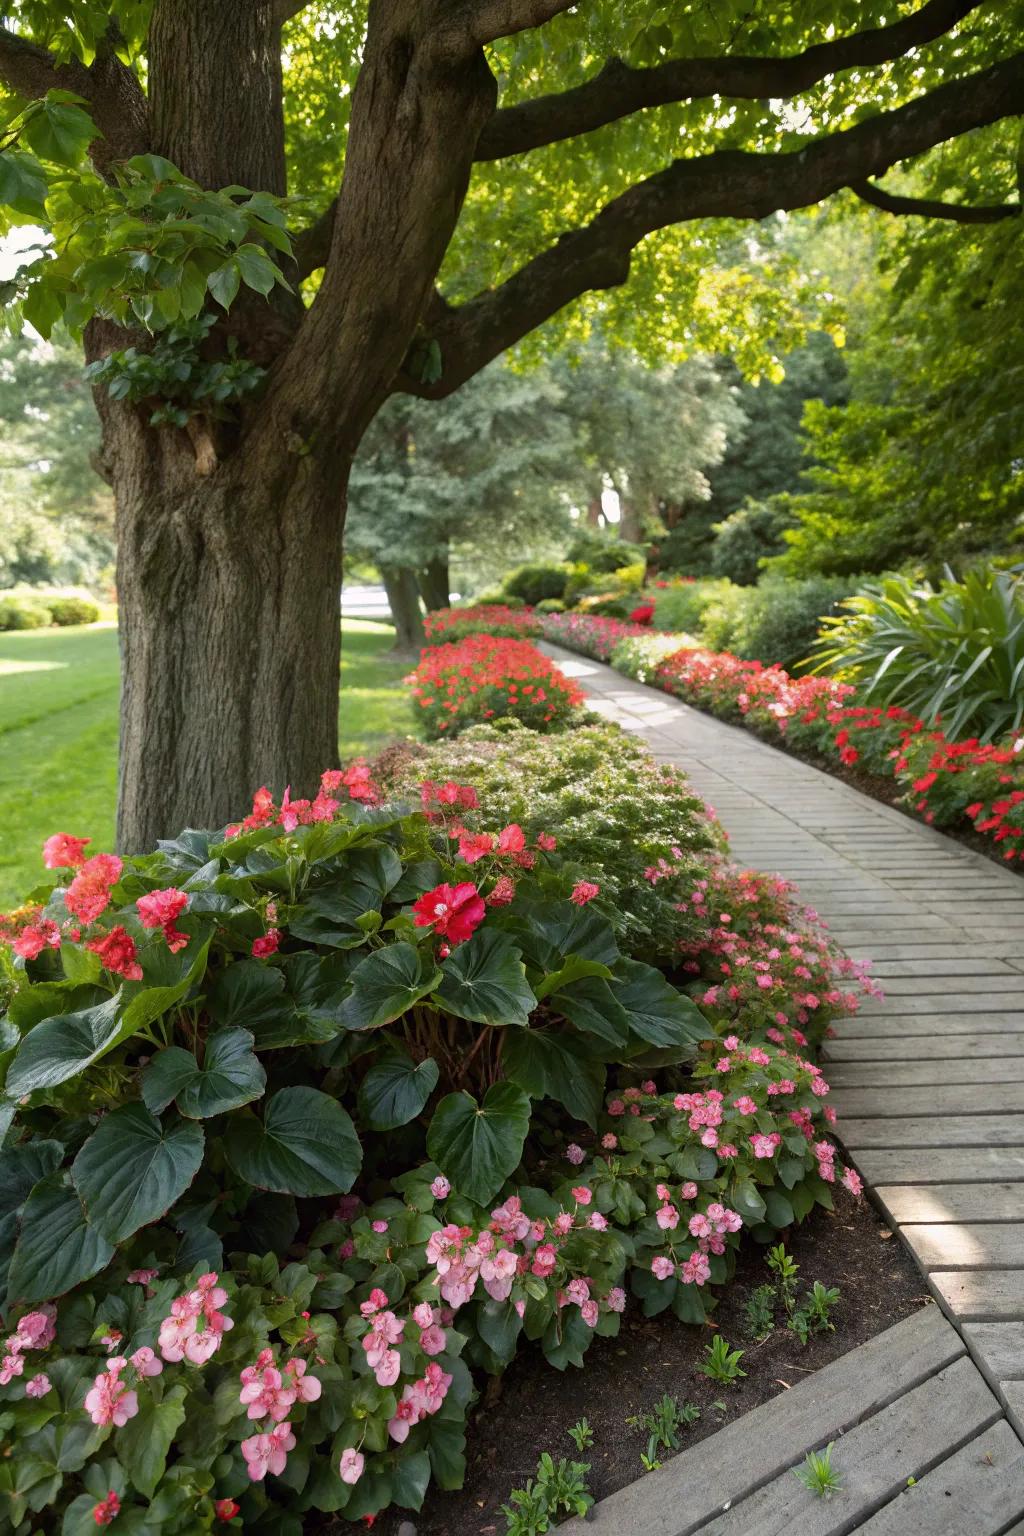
<point x="535" y="1407"/>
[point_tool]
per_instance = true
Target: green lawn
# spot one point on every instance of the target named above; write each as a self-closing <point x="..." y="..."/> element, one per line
<point x="58" y="732"/>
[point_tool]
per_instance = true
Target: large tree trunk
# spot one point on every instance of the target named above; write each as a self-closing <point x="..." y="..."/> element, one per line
<point x="230" y="633"/>
<point x="435" y="584"/>
<point x="404" y="602"/>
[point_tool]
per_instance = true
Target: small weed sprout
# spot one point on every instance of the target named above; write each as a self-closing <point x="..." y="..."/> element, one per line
<point x="817" y="1473"/>
<point x="722" y="1363"/>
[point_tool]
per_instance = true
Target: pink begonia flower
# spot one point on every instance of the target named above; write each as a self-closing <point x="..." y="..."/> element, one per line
<point x="38" y="1386"/>
<point x="107" y="1510"/>
<point x="267" y="1396"/>
<point x="268" y="1452"/>
<point x="662" y="1267"/>
<point x="853" y="1181"/>
<point x="433" y="1340"/>
<point x="589" y="1311"/>
<point x="142" y="1276"/>
<point x="440" y="1188"/>
<point x="765" y="1146"/>
<point x="597" y="1222"/>
<point x="375" y="1302"/>
<point x="146" y="1362"/>
<point x="667" y="1217"/>
<point x="109" y="1401"/>
<point x="37" y="1330"/>
<point x="696" y="1270"/>
<point x="388" y="1368"/>
<point x="423" y="1315"/>
<point x="267" y="944"/>
<point x="12" y="1365"/>
<point x="689" y="1190"/>
<point x="616" y="1299"/>
<point x="578" y="1290"/>
<point x="582" y="1195"/>
<point x="574" y="1154"/>
<point x="180" y="1336"/>
<point x="544" y="1260"/>
<point x="609" y="1142"/>
<point x="584" y="891"/>
<point x="379" y="1226"/>
<point x="350" y="1467"/>
<point x="745" y="1104"/>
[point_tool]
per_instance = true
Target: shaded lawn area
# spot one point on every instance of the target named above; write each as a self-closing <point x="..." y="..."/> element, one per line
<point x="58" y="732"/>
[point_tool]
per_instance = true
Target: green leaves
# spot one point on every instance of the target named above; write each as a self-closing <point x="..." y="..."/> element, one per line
<point x="385" y="984"/>
<point x="305" y="1145"/>
<point x="479" y="1145"/>
<point x="229" y="1077"/>
<point x="556" y="1066"/>
<point x="61" y="1047"/>
<point x="657" y="1012"/>
<point x="58" y="130"/>
<point x="22" y="184"/>
<point x="132" y="1169"/>
<point x="143" y="1443"/>
<point x="395" y="1090"/>
<point x="58" y="1247"/>
<point x="485" y="980"/>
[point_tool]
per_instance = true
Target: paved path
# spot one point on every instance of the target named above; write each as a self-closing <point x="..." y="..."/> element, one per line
<point x="929" y="1086"/>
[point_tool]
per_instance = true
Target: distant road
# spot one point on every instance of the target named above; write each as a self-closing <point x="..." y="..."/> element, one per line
<point x="365" y="603"/>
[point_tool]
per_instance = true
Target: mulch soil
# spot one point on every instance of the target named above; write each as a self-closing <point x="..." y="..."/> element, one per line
<point x="531" y="1408"/>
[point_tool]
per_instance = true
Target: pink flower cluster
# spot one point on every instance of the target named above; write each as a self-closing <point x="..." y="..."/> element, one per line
<point x="271" y="1394"/>
<point x="36" y="1330"/>
<point x="113" y="1400"/>
<point x="356" y="779"/>
<point x="196" y="1325"/>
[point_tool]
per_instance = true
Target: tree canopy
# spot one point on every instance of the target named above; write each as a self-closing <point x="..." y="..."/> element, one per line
<point x="263" y="235"/>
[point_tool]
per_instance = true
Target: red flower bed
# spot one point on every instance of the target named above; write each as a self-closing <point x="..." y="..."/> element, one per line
<point x="446" y="624"/>
<point x="944" y="781"/>
<point x="484" y="677"/>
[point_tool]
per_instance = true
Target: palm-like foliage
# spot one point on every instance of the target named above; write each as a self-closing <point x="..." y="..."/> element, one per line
<point x="956" y="652"/>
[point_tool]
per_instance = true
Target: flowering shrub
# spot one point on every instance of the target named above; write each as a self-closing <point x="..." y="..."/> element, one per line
<point x="620" y="818"/>
<point x="771" y="971"/>
<point x="485" y="678"/>
<point x="589" y="633"/>
<point x="200" y="1044"/>
<point x="947" y="783"/>
<point x="450" y="624"/>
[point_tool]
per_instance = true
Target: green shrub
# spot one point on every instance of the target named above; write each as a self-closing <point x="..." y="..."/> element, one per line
<point x="752" y="534"/>
<point x="955" y="653"/>
<point x="776" y="622"/>
<point x="681" y="604"/>
<point x="603" y="554"/>
<point x="550" y="605"/>
<point x="533" y="583"/>
<point x="73" y="610"/>
<point x="615" y="812"/>
<point x="23" y="613"/>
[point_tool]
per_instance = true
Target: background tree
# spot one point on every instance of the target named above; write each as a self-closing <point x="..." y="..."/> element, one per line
<point x="649" y="433"/>
<point x="925" y="462"/>
<point x="459" y="226"/>
<point x="483" y="474"/>
<point x="56" y="515"/>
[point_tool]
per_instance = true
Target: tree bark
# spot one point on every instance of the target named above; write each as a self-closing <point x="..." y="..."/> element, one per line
<point x="230" y="631"/>
<point x="435" y="584"/>
<point x="404" y="602"/>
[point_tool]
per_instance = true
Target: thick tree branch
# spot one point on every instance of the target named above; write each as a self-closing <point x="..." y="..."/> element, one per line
<point x="114" y="96"/>
<point x="726" y="184"/>
<point x="487" y="20"/>
<point x="933" y="208"/>
<point x="619" y="90"/>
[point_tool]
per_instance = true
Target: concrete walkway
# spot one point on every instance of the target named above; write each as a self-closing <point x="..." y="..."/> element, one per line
<point x="929" y="1086"/>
